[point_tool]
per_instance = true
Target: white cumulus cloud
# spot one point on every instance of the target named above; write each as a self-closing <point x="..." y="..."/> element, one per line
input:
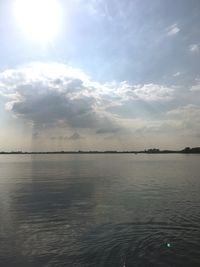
<point x="177" y="74"/>
<point x="145" y="92"/>
<point x="173" y="30"/>
<point x="195" y="48"/>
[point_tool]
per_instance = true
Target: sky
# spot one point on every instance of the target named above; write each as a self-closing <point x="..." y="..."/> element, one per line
<point x="99" y="74"/>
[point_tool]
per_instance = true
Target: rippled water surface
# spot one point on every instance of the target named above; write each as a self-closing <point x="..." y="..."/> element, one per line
<point x="100" y="210"/>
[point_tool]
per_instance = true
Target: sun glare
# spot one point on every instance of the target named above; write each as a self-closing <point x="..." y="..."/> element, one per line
<point x="40" y="20"/>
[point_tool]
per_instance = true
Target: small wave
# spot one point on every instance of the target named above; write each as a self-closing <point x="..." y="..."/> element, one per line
<point x="141" y="244"/>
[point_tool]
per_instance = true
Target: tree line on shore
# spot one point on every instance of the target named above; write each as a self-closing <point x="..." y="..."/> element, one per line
<point x="186" y="150"/>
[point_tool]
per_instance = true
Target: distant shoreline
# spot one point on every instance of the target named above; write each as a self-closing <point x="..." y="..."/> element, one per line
<point x="187" y="150"/>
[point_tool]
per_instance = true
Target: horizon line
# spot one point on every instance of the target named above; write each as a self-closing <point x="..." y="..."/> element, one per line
<point x="150" y="151"/>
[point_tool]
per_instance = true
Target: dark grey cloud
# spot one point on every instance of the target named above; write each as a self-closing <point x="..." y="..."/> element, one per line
<point x="54" y="97"/>
<point x="35" y="135"/>
<point x="50" y="107"/>
<point x="74" y="136"/>
<point x="65" y="98"/>
<point x="107" y="131"/>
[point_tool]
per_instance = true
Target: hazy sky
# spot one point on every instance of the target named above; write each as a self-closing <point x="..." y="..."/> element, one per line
<point x="99" y="74"/>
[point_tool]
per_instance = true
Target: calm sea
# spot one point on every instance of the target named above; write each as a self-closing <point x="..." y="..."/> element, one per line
<point x="100" y="210"/>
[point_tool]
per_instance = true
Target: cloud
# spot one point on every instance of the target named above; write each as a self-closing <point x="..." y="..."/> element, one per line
<point x="106" y="131"/>
<point x="35" y="135"/>
<point x="154" y="92"/>
<point x="195" y="87"/>
<point x="53" y="94"/>
<point x="185" y="111"/>
<point x="194" y="48"/>
<point x="177" y="74"/>
<point x="146" y="92"/>
<point x="173" y="30"/>
<point x="74" y="136"/>
<point x="187" y="116"/>
<point x="57" y="96"/>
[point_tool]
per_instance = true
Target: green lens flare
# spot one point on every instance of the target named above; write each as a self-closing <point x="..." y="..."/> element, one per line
<point x="168" y="245"/>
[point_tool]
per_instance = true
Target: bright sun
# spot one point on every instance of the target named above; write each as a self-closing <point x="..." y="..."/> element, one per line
<point x="40" y="20"/>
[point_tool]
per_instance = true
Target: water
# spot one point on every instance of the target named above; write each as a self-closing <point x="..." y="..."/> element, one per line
<point x="100" y="210"/>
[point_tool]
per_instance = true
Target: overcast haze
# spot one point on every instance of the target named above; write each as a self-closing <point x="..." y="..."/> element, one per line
<point x="118" y="75"/>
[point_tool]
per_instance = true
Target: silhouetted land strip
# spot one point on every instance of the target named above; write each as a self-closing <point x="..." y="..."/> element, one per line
<point x="187" y="150"/>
